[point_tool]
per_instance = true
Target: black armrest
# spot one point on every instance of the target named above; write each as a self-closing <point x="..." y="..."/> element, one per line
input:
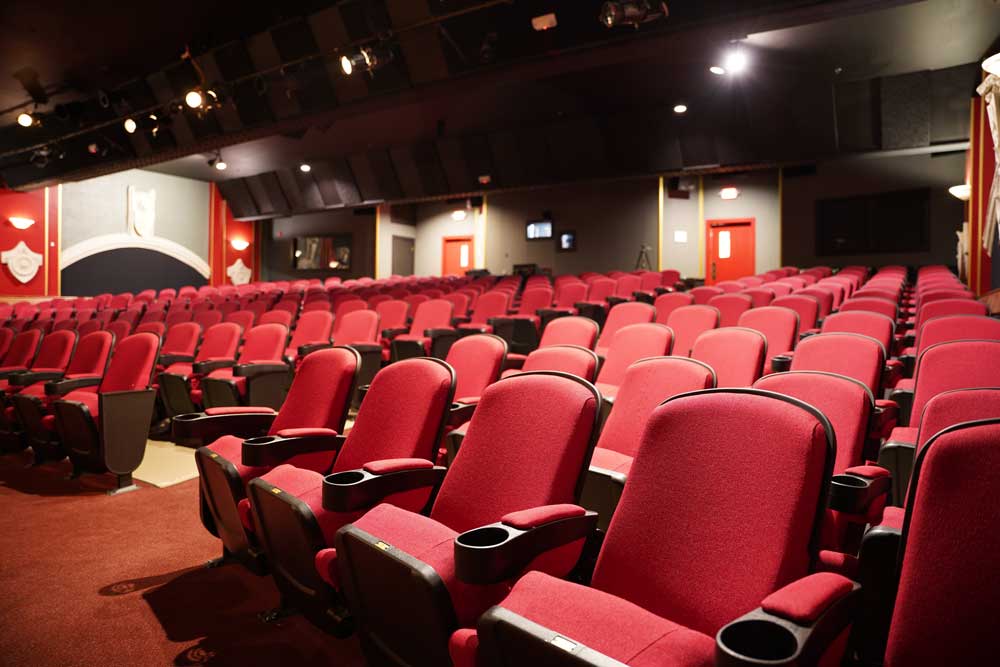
<point x="31" y="377"/>
<point x="273" y="450"/>
<point x="362" y="348"/>
<point x="312" y="347"/>
<point x="904" y="399"/>
<point x="460" y="319"/>
<point x="615" y="300"/>
<point x="355" y="490"/>
<point x="392" y="333"/>
<point x="205" y="367"/>
<point x="253" y="370"/>
<point x="195" y="429"/>
<point x="854" y="491"/>
<point x="497" y="552"/>
<point x="770" y="635"/>
<point x="167" y="359"/>
<point x="781" y="363"/>
<point x="362" y="392"/>
<point x="9" y="373"/>
<point x="62" y="387"/>
<point x="459" y="413"/>
<point x="435" y="333"/>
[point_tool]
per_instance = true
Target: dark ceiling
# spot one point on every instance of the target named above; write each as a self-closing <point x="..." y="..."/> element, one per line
<point x="578" y="101"/>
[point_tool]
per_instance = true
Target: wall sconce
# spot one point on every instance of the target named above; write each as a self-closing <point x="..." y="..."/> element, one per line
<point x="962" y="191"/>
<point x="729" y="192"/>
<point x="21" y="223"/>
<point x="239" y="244"/>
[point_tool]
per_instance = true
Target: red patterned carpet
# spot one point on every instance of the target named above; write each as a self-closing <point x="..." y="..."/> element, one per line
<point x="89" y="579"/>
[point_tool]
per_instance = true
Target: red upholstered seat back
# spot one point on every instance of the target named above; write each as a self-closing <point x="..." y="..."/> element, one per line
<point x="650" y="280"/>
<point x="357" y="326"/>
<point x="631" y="343"/>
<point x="957" y="327"/>
<point x="432" y="314"/>
<point x="477" y="361"/>
<point x="780" y="327"/>
<point x="158" y="328"/>
<point x="459" y="301"/>
<point x="207" y="318"/>
<point x="626" y="285"/>
<point x="392" y="313"/>
<point x="667" y="303"/>
<point x="243" y="318"/>
<point x="823" y="296"/>
<point x="863" y="322"/>
<point x="600" y="289"/>
<point x="491" y="304"/>
<point x="730" y="307"/>
<point x="806" y="306"/>
<point x="55" y="351"/>
<point x="729" y="286"/>
<point x="961" y="364"/>
<point x="759" y="296"/>
<point x="943" y="307"/>
<point x="736" y="355"/>
<point x="669" y="277"/>
<point x="956" y="406"/>
<point x="846" y="402"/>
<point x="90" y="326"/>
<point x="282" y="317"/>
<point x="264" y="343"/>
<point x="647" y="383"/>
<point x="720" y="508"/>
<point x="779" y="289"/>
<point x="872" y="304"/>
<point x="312" y="327"/>
<point x="181" y="339"/>
<point x="954" y="484"/>
<point x="528" y="445"/>
<point x="853" y="355"/>
<point x="704" y="293"/>
<point x="177" y="316"/>
<point x="220" y="342"/>
<point x="687" y="323"/>
<point x="120" y="329"/>
<point x="6" y="338"/>
<point x="131" y="364"/>
<point x="320" y="394"/>
<point x="535" y="298"/>
<point x="348" y="306"/>
<point x="402" y="414"/>
<point x="91" y="356"/>
<point x="572" y="359"/>
<point x="623" y="315"/>
<point x="415" y="300"/>
<point x="580" y="331"/>
<point x="570" y="293"/>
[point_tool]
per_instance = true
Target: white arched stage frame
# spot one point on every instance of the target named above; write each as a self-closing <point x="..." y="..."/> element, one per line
<point x="106" y="242"/>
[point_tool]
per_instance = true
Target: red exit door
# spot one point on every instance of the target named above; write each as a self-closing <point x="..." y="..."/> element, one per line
<point x="730" y="250"/>
<point x="456" y="255"/>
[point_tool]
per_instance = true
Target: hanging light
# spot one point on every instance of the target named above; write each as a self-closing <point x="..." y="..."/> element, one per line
<point x="25" y="119"/>
<point x="368" y="59"/>
<point x="218" y="162"/>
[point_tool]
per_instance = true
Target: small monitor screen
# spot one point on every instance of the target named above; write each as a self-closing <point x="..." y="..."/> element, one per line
<point x="539" y="229"/>
<point x="567" y="241"/>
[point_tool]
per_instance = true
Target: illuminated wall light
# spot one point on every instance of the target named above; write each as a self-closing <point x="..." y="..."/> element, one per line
<point x="21" y="223"/>
<point x="298" y="253"/>
<point x="680" y="108"/>
<point x="130" y="125"/>
<point x="239" y="244"/>
<point x="544" y="22"/>
<point x="716" y="70"/>
<point x="736" y="62"/>
<point x="458" y="214"/>
<point x="729" y="192"/>
<point x="963" y="191"/>
<point x="194" y="99"/>
<point x="25" y="119"/>
<point x="992" y="65"/>
<point x="305" y="168"/>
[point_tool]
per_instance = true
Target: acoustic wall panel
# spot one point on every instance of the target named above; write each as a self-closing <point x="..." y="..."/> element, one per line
<point x="950" y="92"/>
<point x="857" y="115"/>
<point x="906" y="111"/>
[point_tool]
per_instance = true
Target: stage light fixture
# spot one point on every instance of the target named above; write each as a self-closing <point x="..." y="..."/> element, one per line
<point x="680" y="108"/>
<point x="130" y="125"/>
<point x="368" y="59"/>
<point x="735" y="62"/>
<point x="218" y="162"/>
<point x="194" y="99"/>
<point x="614" y="14"/>
<point x="305" y="168"/>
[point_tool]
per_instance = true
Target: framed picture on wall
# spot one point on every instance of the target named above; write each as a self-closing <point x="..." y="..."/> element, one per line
<point x="338" y="252"/>
<point x="308" y="253"/>
<point x="566" y="241"/>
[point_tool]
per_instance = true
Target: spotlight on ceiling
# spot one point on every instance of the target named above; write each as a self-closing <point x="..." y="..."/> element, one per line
<point x="305" y="168"/>
<point x="680" y="108"/>
<point x="130" y="125"/>
<point x="93" y="148"/>
<point x="21" y="223"/>
<point x="40" y="158"/>
<point x="735" y="62"/>
<point x="218" y="162"/>
<point x="963" y="191"/>
<point x="716" y="70"/>
<point x="729" y="192"/>
<point x="368" y="59"/>
<point x="25" y="119"/>
<point x="194" y="99"/>
<point x="614" y="14"/>
<point x="239" y="245"/>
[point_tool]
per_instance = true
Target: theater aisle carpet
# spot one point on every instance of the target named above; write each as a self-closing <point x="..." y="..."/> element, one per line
<point x="87" y="579"/>
<point x="166" y="464"/>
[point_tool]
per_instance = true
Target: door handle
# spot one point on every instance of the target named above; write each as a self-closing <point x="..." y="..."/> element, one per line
<point x="713" y="270"/>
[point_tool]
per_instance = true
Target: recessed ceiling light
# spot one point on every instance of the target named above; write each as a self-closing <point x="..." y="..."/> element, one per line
<point x="130" y="125"/>
<point x="716" y="70"/>
<point x="25" y="119"/>
<point x="305" y="168"/>
<point x="458" y="214"/>
<point x="193" y="99"/>
<point x="736" y="61"/>
<point x="680" y="108"/>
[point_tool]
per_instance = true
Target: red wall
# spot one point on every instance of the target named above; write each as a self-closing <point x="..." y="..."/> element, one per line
<point x="44" y="207"/>
<point x="224" y="230"/>
<point x="982" y="164"/>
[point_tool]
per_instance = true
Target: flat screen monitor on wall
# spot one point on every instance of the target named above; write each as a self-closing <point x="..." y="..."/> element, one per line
<point x="885" y="222"/>
<point x="538" y="229"/>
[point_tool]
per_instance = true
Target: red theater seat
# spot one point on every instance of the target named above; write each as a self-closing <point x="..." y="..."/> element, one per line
<point x="179" y="378"/>
<point x="730" y="307"/>
<point x="666" y="304"/>
<point x="622" y="315"/>
<point x="780" y="327"/>
<point x="704" y="293"/>
<point x="687" y="323"/>
<point x="736" y="354"/>
<point x="430" y="333"/>
<point x="259" y="377"/>
<point x="573" y="330"/>
<point x="631" y="343"/>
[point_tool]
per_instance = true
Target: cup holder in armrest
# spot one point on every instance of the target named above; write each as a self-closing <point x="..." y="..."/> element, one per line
<point x="781" y="363"/>
<point x="345" y="478"/>
<point x="755" y="641"/>
<point x="272" y="450"/>
<point x="853" y="493"/>
<point x="188" y="417"/>
<point x="354" y="490"/>
<point x="487" y="536"/>
<point x="262" y="440"/>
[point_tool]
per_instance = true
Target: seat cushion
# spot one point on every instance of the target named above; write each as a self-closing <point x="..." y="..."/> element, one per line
<point x="892" y="517"/>
<point x="609" y="459"/>
<point x="608" y="624"/>
<point x="904" y="434"/>
<point x="906" y="384"/>
<point x="433" y="543"/>
<point x="307" y="486"/>
<point x="182" y="368"/>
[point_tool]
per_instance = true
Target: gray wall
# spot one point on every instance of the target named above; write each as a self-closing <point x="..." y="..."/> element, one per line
<point x="758" y="200"/>
<point x="277" y="236"/>
<point x="433" y="223"/>
<point x="845" y="178"/>
<point x="612" y="221"/>
<point x="98" y="206"/>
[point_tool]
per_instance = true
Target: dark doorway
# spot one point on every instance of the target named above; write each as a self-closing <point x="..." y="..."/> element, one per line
<point x="402" y="256"/>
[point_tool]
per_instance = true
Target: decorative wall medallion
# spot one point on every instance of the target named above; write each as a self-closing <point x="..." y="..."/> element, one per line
<point x="141" y="212"/>
<point x="239" y="272"/>
<point x="22" y="261"/>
